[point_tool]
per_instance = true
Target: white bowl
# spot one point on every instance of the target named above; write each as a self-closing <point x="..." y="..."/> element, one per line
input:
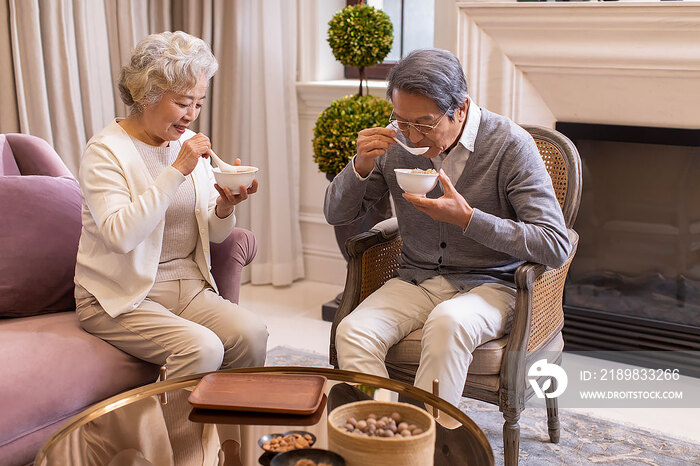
<point x="415" y="183"/>
<point x="243" y="175"/>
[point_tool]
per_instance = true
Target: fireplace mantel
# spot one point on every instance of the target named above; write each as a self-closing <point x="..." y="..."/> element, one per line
<point x="612" y="63"/>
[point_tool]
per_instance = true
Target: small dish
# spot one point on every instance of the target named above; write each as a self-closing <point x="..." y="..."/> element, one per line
<point x="265" y="439"/>
<point x="417" y="184"/>
<point x="290" y="458"/>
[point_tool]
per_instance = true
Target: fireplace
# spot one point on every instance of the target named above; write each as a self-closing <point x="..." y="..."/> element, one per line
<point x="634" y="284"/>
<point x="616" y="63"/>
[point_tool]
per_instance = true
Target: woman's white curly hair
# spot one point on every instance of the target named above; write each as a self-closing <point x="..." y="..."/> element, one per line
<point x="169" y="61"/>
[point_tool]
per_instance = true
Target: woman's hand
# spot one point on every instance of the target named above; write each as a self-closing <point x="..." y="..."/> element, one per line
<point x="195" y="147"/>
<point x="228" y="199"/>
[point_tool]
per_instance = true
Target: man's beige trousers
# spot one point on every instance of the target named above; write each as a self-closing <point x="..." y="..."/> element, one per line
<point x="454" y="324"/>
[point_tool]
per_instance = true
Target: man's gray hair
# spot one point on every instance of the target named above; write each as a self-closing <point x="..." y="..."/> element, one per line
<point x="169" y="61"/>
<point x="432" y="73"/>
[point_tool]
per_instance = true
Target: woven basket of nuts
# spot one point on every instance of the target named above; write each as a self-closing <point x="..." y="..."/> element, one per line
<point x="381" y="433"/>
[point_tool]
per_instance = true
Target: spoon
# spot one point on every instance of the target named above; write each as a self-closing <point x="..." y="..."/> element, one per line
<point x="413" y="150"/>
<point x="223" y="166"/>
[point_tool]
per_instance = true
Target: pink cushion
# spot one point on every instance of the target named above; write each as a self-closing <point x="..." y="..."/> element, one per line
<point x="39" y="235"/>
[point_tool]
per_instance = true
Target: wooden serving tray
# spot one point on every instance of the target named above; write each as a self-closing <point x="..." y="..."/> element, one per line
<point x="260" y="393"/>
<point x="220" y="416"/>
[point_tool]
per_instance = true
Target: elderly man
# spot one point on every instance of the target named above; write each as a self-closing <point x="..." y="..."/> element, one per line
<point x="494" y="209"/>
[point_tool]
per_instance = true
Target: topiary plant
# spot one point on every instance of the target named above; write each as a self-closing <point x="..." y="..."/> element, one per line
<point x="337" y="126"/>
<point x="361" y="36"/>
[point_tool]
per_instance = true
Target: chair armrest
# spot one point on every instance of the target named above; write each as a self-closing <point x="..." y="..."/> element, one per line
<point x="537" y="320"/>
<point x="539" y="313"/>
<point x="228" y="259"/>
<point x="373" y="260"/>
<point x="388" y="228"/>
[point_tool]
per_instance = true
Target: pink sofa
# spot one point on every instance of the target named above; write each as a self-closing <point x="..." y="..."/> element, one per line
<point x="50" y="368"/>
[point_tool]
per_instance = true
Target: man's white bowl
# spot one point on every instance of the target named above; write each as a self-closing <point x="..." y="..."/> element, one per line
<point x="415" y="183"/>
<point x="243" y="175"/>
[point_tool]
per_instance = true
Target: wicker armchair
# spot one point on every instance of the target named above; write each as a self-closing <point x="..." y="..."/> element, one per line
<point x="497" y="372"/>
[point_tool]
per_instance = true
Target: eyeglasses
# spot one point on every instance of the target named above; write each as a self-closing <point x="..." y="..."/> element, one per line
<point x="405" y="126"/>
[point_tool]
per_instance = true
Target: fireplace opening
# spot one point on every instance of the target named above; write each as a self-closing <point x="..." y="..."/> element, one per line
<point x="634" y="284"/>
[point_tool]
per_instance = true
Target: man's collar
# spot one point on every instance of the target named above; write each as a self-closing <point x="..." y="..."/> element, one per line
<point x="468" y="137"/>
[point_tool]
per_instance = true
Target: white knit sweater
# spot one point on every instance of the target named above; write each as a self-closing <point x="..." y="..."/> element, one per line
<point x="180" y="233"/>
<point x="124" y="219"/>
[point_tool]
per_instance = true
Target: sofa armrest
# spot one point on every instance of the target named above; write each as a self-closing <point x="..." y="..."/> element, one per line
<point x="228" y="259"/>
<point x="34" y="156"/>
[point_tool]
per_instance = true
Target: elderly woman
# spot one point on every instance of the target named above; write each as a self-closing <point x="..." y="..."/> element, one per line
<point x="150" y="209"/>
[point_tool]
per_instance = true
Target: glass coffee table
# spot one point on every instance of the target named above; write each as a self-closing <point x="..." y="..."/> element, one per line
<point x="155" y="424"/>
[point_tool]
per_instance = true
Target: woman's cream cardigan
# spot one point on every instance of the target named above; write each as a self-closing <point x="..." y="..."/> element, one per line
<point x="123" y="218"/>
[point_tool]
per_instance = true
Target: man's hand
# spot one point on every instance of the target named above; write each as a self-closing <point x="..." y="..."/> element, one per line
<point x="228" y="199"/>
<point x="451" y="207"/>
<point x="372" y="143"/>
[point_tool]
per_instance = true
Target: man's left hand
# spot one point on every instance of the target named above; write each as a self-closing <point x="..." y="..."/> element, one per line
<point x="451" y="207"/>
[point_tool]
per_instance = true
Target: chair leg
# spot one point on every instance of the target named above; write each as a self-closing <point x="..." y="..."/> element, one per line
<point x="511" y="437"/>
<point x="553" y="415"/>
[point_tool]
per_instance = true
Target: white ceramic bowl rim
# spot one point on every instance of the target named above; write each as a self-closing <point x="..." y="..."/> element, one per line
<point x="408" y="171"/>
<point x="240" y="169"/>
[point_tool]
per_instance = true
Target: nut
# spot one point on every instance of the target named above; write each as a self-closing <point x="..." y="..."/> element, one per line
<point x="288" y="442"/>
<point x="385" y="426"/>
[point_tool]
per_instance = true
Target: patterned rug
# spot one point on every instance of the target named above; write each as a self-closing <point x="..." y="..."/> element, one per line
<point x="584" y="439"/>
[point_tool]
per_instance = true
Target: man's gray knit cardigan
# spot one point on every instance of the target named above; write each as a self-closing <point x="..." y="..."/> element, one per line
<point x="516" y="215"/>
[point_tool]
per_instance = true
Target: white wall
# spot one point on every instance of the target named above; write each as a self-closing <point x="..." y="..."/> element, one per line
<point x="320" y="81"/>
<point x="322" y="257"/>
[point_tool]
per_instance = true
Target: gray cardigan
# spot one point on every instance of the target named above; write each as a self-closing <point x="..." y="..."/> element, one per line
<point x="516" y="216"/>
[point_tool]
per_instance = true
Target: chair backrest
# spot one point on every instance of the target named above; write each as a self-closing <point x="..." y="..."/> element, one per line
<point x="564" y="166"/>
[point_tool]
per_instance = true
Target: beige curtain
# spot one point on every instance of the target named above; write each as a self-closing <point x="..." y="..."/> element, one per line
<point x="257" y="120"/>
<point x="9" y="115"/>
<point x="61" y="59"/>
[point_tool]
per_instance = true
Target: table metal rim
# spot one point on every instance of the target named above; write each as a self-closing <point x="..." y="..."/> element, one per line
<point x="136" y="394"/>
